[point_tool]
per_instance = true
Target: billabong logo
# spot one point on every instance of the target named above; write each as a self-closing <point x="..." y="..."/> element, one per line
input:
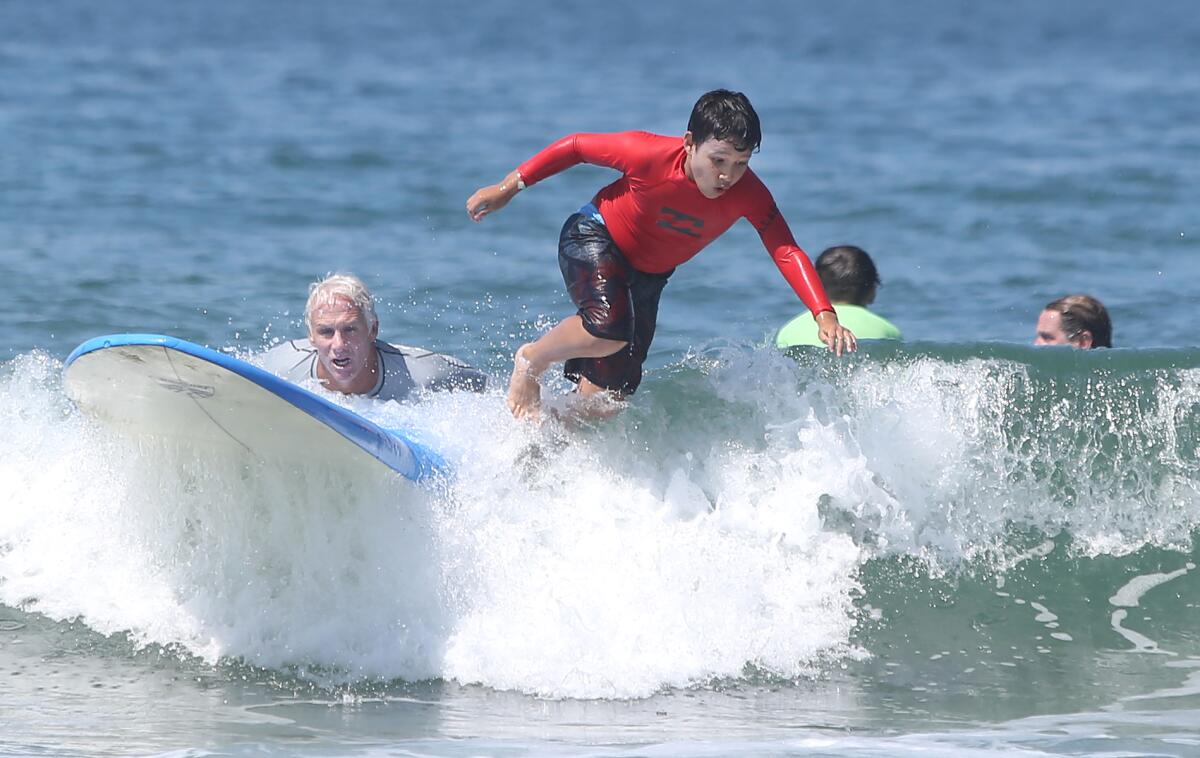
<point x="194" y="391"/>
<point x="678" y="221"/>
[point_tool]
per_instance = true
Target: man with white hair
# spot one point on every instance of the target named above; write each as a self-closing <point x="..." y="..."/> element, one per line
<point x="343" y="351"/>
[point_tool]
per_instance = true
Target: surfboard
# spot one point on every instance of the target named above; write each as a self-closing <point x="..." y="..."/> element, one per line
<point x="157" y="385"/>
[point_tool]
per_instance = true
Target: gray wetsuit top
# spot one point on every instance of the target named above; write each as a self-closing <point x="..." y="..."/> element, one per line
<point x="403" y="370"/>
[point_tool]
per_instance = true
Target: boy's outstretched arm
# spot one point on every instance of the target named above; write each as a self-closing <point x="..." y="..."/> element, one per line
<point x="494" y="196"/>
<point x="795" y="266"/>
<point x="799" y="272"/>
<point x="611" y="150"/>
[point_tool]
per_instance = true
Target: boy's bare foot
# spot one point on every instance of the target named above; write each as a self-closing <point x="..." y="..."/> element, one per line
<point x="524" y="392"/>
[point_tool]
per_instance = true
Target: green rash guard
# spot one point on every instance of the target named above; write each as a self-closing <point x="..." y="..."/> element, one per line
<point x="802" y="330"/>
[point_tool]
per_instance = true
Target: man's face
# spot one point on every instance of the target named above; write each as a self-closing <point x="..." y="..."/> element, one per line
<point x="715" y="165"/>
<point x="345" y="346"/>
<point x="1050" y="332"/>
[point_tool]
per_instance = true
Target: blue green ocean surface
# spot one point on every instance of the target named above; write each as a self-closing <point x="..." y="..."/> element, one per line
<point x="959" y="545"/>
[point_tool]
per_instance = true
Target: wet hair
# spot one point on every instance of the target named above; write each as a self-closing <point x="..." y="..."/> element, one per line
<point x="1084" y="313"/>
<point x="728" y="116"/>
<point x="346" y="286"/>
<point x="848" y="274"/>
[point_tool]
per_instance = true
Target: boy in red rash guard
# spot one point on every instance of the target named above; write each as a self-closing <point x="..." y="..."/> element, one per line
<point x="674" y="197"/>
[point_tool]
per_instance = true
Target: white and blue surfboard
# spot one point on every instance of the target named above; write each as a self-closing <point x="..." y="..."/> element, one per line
<point x="158" y="385"/>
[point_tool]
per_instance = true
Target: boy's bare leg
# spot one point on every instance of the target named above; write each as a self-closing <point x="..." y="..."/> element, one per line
<point x="594" y="403"/>
<point x="568" y="339"/>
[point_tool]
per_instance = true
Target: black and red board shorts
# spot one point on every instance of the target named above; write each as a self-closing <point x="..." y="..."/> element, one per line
<point x="615" y="301"/>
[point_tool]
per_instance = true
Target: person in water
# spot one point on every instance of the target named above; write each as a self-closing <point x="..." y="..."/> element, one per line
<point x="343" y="352"/>
<point x="851" y="281"/>
<point x="675" y="196"/>
<point x="1078" y="320"/>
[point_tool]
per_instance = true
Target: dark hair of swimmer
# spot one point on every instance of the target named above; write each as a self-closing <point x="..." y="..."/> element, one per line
<point x="1084" y="313"/>
<point x="848" y="275"/>
<point x="728" y="116"/>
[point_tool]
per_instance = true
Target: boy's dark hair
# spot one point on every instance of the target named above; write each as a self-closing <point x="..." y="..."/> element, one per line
<point x="848" y="275"/>
<point x="1080" y="313"/>
<point x="728" y="116"/>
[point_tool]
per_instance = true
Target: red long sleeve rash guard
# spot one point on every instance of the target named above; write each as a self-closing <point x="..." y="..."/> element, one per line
<point x="658" y="216"/>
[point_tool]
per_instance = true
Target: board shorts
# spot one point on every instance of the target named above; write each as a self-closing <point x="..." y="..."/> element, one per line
<point x="615" y="301"/>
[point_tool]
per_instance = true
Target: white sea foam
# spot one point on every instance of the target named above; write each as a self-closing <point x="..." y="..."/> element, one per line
<point x="672" y="545"/>
<point x="942" y="459"/>
<point x="224" y="555"/>
<point x="556" y="562"/>
<point x="1130" y="595"/>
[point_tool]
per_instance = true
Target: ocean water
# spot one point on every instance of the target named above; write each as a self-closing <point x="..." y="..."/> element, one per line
<point x="959" y="545"/>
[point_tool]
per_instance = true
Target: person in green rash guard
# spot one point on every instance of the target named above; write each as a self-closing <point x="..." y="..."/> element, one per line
<point x="850" y="279"/>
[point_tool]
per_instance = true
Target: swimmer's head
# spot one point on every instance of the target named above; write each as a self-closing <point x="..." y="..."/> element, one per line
<point x="1078" y="320"/>
<point x="342" y="326"/>
<point x="848" y="275"/>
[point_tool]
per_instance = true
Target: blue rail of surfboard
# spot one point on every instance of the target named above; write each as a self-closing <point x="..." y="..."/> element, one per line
<point x="391" y="447"/>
